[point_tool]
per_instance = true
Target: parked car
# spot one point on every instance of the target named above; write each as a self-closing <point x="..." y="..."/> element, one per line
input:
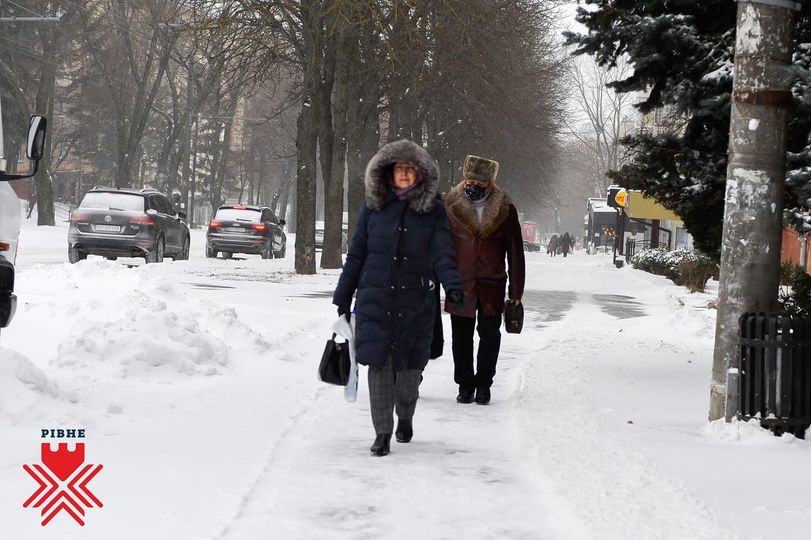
<point x="238" y="228"/>
<point x="319" y="236"/>
<point x="114" y="222"/>
<point x="531" y="246"/>
<point x="11" y="218"/>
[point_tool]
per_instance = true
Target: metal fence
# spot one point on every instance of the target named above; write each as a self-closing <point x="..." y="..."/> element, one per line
<point x="632" y="246"/>
<point x="774" y="379"/>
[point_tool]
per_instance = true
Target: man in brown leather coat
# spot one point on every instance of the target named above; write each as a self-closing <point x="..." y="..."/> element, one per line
<point x="486" y="233"/>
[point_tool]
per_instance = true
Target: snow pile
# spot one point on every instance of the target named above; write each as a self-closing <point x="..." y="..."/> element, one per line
<point x="124" y="322"/>
<point x="23" y="387"/>
<point x="747" y="432"/>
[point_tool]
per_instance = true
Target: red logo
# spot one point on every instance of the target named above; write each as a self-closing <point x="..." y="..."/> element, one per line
<point x="62" y="479"/>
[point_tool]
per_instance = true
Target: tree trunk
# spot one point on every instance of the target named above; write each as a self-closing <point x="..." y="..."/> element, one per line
<point x="334" y="188"/>
<point x="307" y="139"/>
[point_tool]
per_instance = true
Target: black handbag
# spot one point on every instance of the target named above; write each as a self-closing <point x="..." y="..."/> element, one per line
<point x="335" y="364"/>
<point x="513" y="318"/>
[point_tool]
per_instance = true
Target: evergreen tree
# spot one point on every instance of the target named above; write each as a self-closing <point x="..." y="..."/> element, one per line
<point x="682" y="55"/>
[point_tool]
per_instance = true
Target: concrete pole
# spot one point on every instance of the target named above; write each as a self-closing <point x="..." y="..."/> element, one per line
<point x="750" y="252"/>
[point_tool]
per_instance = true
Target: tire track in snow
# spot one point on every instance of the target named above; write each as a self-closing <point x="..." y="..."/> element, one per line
<point x="616" y="494"/>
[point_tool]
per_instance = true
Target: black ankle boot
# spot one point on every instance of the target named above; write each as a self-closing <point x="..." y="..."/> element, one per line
<point x="465" y="395"/>
<point x="381" y="446"/>
<point x="483" y="396"/>
<point x="404" y="431"/>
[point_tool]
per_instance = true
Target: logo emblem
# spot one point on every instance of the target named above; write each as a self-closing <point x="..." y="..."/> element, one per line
<point x="63" y="477"/>
<point x="107" y="219"/>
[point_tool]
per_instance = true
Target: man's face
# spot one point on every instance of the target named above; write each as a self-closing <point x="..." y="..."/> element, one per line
<point x="404" y="175"/>
<point x="472" y="182"/>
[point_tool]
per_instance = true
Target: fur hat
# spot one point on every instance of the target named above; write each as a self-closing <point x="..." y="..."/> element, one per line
<point x="378" y="176"/>
<point x="479" y="168"/>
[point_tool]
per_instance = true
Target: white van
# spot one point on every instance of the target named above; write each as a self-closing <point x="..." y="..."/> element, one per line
<point x="10" y="218"/>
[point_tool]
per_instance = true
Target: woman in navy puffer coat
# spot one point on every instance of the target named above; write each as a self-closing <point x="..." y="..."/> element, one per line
<point x="401" y="245"/>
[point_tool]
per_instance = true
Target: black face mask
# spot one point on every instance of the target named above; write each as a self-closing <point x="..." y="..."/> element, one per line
<point x="475" y="193"/>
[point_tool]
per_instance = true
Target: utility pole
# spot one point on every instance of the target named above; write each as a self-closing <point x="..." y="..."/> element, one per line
<point x="753" y="214"/>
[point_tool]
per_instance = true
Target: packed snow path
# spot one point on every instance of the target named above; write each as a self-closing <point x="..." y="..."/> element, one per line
<point x="196" y="383"/>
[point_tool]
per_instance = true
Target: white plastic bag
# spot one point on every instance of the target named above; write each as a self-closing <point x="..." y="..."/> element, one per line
<point x="346" y="330"/>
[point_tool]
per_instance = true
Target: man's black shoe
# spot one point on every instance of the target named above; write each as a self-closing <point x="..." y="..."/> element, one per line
<point x="465" y="395"/>
<point x="381" y="445"/>
<point x="404" y="431"/>
<point x="483" y="396"/>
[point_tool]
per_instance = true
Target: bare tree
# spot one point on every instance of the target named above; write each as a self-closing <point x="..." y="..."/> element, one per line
<point x="598" y="123"/>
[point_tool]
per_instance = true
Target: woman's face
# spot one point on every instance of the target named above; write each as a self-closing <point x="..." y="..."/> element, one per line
<point x="404" y="175"/>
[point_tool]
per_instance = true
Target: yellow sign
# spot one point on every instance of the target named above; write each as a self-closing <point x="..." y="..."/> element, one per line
<point x="648" y="208"/>
<point x="622" y="198"/>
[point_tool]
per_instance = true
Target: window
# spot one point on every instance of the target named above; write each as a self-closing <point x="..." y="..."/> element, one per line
<point x="238" y="214"/>
<point x="154" y="204"/>
<point x="113" y="201"/>
<point x="168" y="209"/>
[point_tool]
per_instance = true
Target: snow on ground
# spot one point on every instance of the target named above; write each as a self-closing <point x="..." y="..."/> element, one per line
<point x="196" y="384"/>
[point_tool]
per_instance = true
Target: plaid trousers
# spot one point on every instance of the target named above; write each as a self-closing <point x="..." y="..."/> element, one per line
<point x="389" y="391"/>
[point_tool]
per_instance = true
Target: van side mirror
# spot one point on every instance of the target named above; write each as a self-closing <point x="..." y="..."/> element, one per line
<point x="282" y="222"/>
<point x="34" y="149"/>
<point x="36" y="137"/>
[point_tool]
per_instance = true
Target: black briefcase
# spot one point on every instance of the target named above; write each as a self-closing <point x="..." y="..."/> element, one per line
<point x="335" y="364"/>
<point x="513" y="318"/>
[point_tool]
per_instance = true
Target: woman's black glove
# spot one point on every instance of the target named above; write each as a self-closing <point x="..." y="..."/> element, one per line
<point x="456" y="297"/>
<point x="344" y="311"/>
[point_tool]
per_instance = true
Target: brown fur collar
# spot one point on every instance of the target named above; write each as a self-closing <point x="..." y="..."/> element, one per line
<point x="495" y="211"/>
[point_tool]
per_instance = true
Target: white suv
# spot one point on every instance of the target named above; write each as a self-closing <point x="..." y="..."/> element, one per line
<point x="10" y="219"/>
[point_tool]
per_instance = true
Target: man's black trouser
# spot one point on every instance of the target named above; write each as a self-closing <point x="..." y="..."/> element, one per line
<point x="489" y="344"/>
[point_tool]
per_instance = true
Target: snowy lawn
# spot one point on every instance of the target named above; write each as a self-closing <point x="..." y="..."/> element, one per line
<point x="195" y="382"/>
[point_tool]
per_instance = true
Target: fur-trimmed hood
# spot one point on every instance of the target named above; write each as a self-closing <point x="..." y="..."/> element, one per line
<point x="379" y="174"/>
<point x="496" y="210"/>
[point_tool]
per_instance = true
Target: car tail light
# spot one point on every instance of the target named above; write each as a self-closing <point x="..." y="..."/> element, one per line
<point x="79" y="216"/>
<point x="141" y="219"/>
<point x="214" y="224"/>
<point x="259" y="226"/>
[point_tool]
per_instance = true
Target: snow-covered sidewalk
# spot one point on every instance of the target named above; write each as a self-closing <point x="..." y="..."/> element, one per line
<point x="196" y="384"/>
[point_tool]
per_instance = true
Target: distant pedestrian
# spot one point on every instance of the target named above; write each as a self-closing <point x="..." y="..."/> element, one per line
<point x="565" y="243"/>
<point x="486" y="233"/>
<point x="552" y="247"/>
<point x="402" y="240"/>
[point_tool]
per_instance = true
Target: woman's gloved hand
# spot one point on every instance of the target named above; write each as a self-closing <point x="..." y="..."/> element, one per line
<point x="344" y="311"/>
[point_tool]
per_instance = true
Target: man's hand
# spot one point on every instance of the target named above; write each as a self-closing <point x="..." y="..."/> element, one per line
<point x="515" y="301"/>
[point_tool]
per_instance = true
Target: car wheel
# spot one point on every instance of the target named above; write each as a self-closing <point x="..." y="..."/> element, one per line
<point x="157" y="255"/>
<point x="111" y="258"/>
<point x="211" y="253"/>
<point x="75" y="255"/>
<point x="267" y="250"/>
<point x="226" y="254"/>
<point x="184" y="251"/>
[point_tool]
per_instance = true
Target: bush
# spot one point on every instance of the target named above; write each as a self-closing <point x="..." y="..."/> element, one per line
<point x="683" y="266"/>
<point x="795" y="290"/>
<point x="695" y="274"/>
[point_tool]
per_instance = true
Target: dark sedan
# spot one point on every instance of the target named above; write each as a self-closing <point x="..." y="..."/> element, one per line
<point x="127" y="223"/>
<point x="246" y="229"/>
